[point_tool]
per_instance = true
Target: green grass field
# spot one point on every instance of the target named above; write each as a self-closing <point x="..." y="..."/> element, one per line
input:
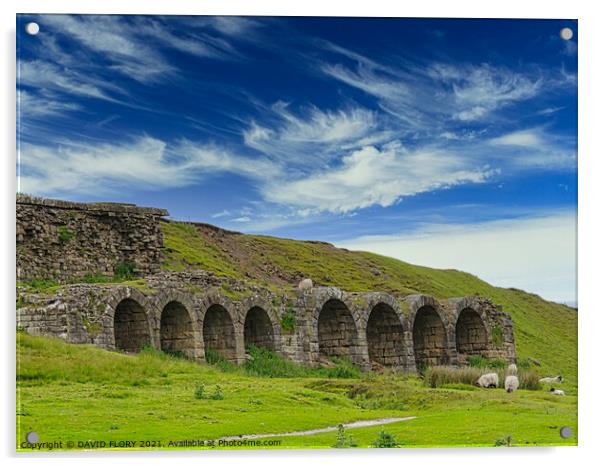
<point x="79" y="393"/>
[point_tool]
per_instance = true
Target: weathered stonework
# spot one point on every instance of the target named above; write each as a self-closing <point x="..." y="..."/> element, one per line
<point x="60" y="240"/>
<point x="373" y="330"/>
<point x="192" y="313"/>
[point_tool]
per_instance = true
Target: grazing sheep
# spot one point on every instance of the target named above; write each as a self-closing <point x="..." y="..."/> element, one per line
<point x="555" y="391"/>
<point x="557" y="379"/>
<point x="512" y="369"/>
<point x="511" y="383"/>
<point x="490" y="380"/>
<point x="306" y="284"/>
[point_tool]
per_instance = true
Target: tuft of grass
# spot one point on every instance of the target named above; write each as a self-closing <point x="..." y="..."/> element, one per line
<point x="125" y="271"/>
<point x="65" y="234"/>
<point x="215" y="358"/>
<point x="287" y="322"/>
<point x="266" y="363"/>
<point x="482" y="361"/>
<point x="217" y="394"/>
<point x="505" y="441"/>
<point x="385" y="440"/>
<point x="344" y="440"/>
<point x="440" y="376"/>
<point x="199" y="391"/>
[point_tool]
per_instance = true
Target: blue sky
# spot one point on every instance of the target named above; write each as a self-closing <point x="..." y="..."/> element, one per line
<point x="449" y="143"/>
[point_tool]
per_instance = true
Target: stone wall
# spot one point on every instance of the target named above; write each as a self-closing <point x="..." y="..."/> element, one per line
<point x="373" y="330"/>
<point x="60" y="240"/>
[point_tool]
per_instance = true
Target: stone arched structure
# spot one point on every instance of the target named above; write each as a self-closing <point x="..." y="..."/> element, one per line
<point x="385" y="336"/>
<point x="430" y="338"/>
<point x="337" y="331"/>
<point x="177" y="332"/>
<point x="128" y="320"/>
<point x="260" y="324"/>
<point x="131" y="326"/>
<point x="221" y="331"/>
<point x="328" y="321"/>
<point x="471" y="334"/>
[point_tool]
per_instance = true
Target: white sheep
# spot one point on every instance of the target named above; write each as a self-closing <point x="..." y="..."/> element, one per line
<point x="557" y="379"/>
<point x="490" y="380"/>
<point x="306" y="284"/>
<point x="555" y="391"/>
<point x="511" y="383"/>
<point x="512" y="369"/>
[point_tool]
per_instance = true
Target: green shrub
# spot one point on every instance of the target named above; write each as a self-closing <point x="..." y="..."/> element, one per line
<point x="65" y="234"/>
<point x="287" y="321"/>
<point x="343" y="369"/>
<point x="199" y="391"/>
<point x="217" y="394"/>
<point x="215" y="358"/>
<point x="385" y="440"/>
<point x="40" y="284"/>
<point x="497" y="336"/>
<point x="125" y="270"/>
<point x="482" y="361"/>
<point x="95" y="278"/>
<point x="344" y="440"/>
<point x="266" y="363"/>
<point x="503" y="441"/>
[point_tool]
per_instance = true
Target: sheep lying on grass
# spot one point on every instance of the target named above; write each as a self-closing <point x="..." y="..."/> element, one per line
<point x="555" y="391"/>
<point x="490" y="380"/>
<point x="511" y="383"/>
<point x="512" y="369"/>
<point x="557" y="379"/>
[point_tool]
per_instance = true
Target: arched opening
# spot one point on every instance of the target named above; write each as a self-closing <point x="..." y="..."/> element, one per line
<point x="258" y="329"/>
<point x="471" y="336"/>
<point x="430" y="340"/>
<point x="130" y="325"/>
<point x="218" y="333"/>
<point x="337" y="334"/>
<point x="177" y="335"/>
<point x="384" y="333"/>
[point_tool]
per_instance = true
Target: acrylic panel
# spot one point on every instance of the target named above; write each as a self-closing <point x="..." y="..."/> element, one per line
<point x="295" y="232"/>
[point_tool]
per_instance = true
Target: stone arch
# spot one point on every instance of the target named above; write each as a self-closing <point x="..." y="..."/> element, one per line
<point x="219" y="332"/>
<point x="177" y="333"/>
<point x="131" y="326"/>
<point x="259" y="329"/>
<point x="471" y="334"/>
<point x="385" y="336"/>
<point x="337" y="331"/>
<point x="429" y="335"/>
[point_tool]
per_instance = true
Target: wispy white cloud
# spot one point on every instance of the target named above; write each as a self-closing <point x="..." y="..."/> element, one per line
<point x="315" y="136"/>
<point x="38" y="106"/>
<point x="535" y="148"/>
<point x="525" y="138"/>
<point x="370" y="176"/>
<point x="144" y="163"/>
<point x="536" y="254"/>
<point x="223" y="213"/>
<point x="420" y="95"/>
<point x="48" y="76"/>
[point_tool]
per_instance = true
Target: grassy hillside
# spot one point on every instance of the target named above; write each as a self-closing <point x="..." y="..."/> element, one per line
<point x="544" y="331"/>
<point x="78" y="393"/>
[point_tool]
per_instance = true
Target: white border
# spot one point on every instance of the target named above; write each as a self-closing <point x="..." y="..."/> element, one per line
<point x="590" y="197"/>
